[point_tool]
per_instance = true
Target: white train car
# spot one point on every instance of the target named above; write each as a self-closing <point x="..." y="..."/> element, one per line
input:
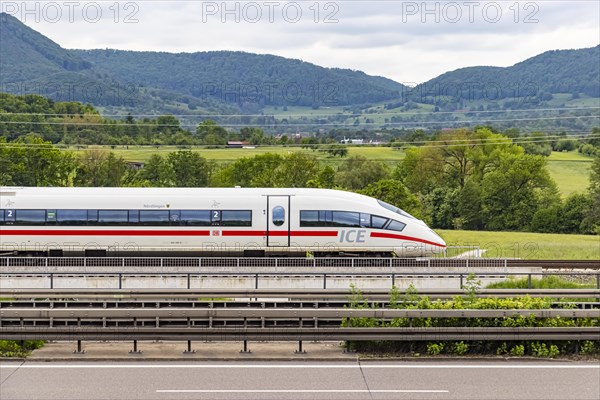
<point x="207" y="222"/>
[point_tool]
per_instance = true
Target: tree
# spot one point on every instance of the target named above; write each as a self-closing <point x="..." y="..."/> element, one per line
<point x="189" y="169"/>
<point x="357" y="172"/>
<point x="32" y="161"/>
<point x="511" y="194"/>
<point x="89" y="170"/>
<point x="335" y="150"/>
<point x="296" y="170"/>
<point x="210" y="133"/>
<point x="157" y="172"/>
<point x="591" y="222"/>
<point x="257" y="171"/>
<point x="99" y="168"/>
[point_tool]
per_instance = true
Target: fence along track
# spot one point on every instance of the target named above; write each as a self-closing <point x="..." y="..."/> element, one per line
<point x="195" y="264"/>
<point x="165" y="294"/>
<point x="297" y="334"/>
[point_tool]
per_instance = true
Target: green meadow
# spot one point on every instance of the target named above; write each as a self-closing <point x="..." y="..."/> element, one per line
<point x="526" y="245"/>
<point x="570" y="171"/>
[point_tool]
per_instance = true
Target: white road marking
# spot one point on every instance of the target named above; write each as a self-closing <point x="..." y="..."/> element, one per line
<point x="299" y="391"/>
<point x="301" y="366"/>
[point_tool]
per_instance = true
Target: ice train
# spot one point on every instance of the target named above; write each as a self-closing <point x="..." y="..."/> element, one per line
<point x="247" y="222"/>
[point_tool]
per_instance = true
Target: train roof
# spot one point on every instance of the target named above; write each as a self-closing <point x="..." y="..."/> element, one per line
<point x="119" y="191"/>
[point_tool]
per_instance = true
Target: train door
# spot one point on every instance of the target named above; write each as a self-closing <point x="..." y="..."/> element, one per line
<point x="278" y="221"/>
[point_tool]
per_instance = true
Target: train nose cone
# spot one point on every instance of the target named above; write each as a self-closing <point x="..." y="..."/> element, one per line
<point x="439" y="243"/>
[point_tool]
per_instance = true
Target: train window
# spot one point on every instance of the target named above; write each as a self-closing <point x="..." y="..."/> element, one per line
<point x="309" y="218"/>
<point x="395" y="209"/>
<point x="215" y="217"/>
<point x="175" y="217"/>
<point x="92" y="217"/>
<point x="378" y="222"/>
<point x="71" y="217"/>
<point x="325" y="218"/>
<point x="9" y="216"/>
<point x="236" y="218"/>
<point x="113" y="217"/>
<point x="1" y="217"/>
<point x="395" y="226"/>
<point x="196" y="217"/>
<point x="51" y="217"/>
<point x="154" y="217"/>
<point x="30" y="217"/>
<point x="346" y="218"/>
<point x="278" y="216"/>
<point x="365" y="220"/>
<point x="134" y="217"/>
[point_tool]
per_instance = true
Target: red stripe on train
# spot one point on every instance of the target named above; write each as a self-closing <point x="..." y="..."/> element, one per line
<point x="103" y="232"/>
<point x="131" y="232"/>
<point x="403" y="237"/>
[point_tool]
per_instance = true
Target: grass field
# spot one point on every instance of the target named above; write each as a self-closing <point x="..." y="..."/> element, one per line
<point x="525" y="245"/>
<point x="570" y="171"/>
<point x="143" y="153"/>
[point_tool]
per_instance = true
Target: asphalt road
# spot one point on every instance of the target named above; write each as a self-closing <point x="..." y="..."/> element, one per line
<point x="304" y="380"/>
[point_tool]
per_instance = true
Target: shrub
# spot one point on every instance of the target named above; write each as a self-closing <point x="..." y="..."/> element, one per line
<point x="541" y="350"/>
<point x="587" y="347"/>
<point x="502" y="349"/>
<point x="460" y="348"/>
<point x="518" y="351"/>
<point x="433" y="349"/>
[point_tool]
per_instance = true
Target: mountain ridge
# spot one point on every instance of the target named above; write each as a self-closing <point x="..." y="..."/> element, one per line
<point x="230" y="82"/>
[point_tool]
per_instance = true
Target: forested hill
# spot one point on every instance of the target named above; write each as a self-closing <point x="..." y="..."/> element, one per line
<point x="244" y="78"/>
<point x="225" y="82"/>
<point x="32" y="63"/>
<point x="575" y="72"/>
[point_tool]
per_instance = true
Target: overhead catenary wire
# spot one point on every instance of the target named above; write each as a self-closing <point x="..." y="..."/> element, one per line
<point x="412" y="124"/>
<point x="430" y="144"/>
<point x="349" y="114"/>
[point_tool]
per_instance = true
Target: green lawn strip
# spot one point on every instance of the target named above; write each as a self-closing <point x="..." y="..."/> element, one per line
<point x="526" y="245"/>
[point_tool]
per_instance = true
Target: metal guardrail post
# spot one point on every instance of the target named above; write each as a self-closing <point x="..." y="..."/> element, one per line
<point x="189" y="349"/>
<point x="528" y="281"/>
<point x="324" y="281"/>
<point x="597" y="281"/>
<point x="120" y="280"/>
<point x="393" y="279"/>
<point x="135" y="349"/>
<point x="79" y="349"/>
<point x="51" y="281"/>
<point x="255" y="281"/>
<point x="461" y="281"/>
<point x="245" y="350"/>
<point x="188" y="280"/>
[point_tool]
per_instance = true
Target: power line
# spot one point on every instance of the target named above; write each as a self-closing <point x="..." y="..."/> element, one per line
<point x="429" y="144"/>
<point x="411" y="124"/>
<point x="350" y="114"/>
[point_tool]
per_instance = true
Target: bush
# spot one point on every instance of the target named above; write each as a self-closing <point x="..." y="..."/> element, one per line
<point x="518" y="351"/>
<point x="541" y="350"/>
<point x="587" y="347"/>
<point x="460" y="348"/>
<point x="433" y="349"/>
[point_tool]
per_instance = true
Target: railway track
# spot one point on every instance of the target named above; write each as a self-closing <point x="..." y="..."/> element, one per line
<point x="166" y="295"/>
<point x="312" y="263"/>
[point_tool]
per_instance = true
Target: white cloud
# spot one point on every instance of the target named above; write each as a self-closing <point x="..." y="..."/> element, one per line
<point x="398" y="39"/>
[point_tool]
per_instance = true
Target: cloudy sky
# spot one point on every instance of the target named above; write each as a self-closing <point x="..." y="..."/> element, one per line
<point x="407" y="41"/>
